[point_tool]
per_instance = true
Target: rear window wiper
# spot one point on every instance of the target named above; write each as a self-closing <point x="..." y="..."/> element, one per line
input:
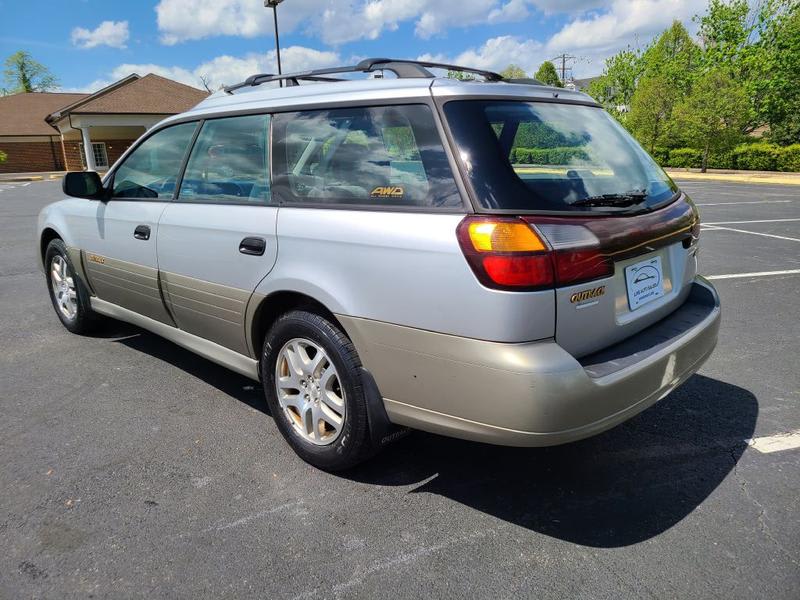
<point x="623" y="199"/>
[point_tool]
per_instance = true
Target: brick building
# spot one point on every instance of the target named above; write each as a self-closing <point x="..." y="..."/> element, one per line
<point x="42" y="131"/>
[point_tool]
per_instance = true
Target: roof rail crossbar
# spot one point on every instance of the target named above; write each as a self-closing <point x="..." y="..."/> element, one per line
<point x="417" y="68"/>
<point x="403" y="68"/>
<point x="294" y="78"/>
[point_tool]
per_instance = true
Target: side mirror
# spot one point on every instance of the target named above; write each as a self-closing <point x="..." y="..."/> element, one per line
<point x="83" y="184"/>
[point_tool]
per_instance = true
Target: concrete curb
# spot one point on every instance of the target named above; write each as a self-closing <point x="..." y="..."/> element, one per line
<point x="740" y="177"/>
<point x="19" y="177"/>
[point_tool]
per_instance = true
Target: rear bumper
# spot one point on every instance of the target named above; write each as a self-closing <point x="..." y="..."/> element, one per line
<point x="532" y="394"/>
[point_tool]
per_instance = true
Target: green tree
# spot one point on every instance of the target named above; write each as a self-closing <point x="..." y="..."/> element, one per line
<point x="651" y="111"/>
<point x="673" y="56"/>
<point x="548" y="75"/>
<point x="668" y="67"/>
<point x="24" y="74"/>
<point x="774" y="88"/>
<point x="513" y="71"/>
<point x="713" y="116"/>
<point x="615" y="87"/>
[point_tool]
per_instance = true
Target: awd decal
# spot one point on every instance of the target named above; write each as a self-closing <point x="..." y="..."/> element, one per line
<point x="96" y="259"/>
<point x="587" y="294"/>
<point x="391" y="191"/>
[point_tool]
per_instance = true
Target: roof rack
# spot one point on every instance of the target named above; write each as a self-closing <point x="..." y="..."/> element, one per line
<point x="402" y="68"/>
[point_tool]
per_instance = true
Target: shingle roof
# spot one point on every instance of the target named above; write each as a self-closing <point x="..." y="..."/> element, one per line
<point x="24" y="114"/>
<point x="151" y="94"/>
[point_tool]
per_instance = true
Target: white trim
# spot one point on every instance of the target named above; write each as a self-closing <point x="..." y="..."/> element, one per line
<point x="745" y="222"/>
<point x="755" y="274"/>
<point x="769" y="235"/>
<point x="776" y="443"/>
<point x="746" y="202"/>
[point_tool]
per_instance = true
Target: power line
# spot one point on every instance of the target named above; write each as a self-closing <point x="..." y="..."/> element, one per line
<point x="564" y="58"/>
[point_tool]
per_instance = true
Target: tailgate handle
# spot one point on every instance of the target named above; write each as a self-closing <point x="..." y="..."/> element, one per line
<point x="253" y="245"/>
<point x="142" y="232"/>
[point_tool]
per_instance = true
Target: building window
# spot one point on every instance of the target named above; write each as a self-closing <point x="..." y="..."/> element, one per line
<point x="100" y="156"/>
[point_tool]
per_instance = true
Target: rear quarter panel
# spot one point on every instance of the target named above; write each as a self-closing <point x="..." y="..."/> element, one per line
<point x="403" y="268"/>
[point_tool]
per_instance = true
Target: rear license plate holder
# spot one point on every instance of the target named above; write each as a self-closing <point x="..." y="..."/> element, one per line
<point x="644" y="282"/>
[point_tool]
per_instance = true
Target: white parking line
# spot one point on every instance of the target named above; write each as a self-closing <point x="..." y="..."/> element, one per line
<point x="769" y="235"/>
<point x="743" y="222"/>
<point x="776" y="443"/>
<point x="756" y="274"/>
<point x="746" y="202"/>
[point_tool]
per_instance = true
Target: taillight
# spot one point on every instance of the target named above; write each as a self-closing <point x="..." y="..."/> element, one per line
<point x="576" y="253"/>
<point x="506" y="253"/>
<point x="512" y="254"/>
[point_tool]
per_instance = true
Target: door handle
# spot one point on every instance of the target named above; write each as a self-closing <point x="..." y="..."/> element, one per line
<point x="253" y="245"/>
<point x="142" y="232"/>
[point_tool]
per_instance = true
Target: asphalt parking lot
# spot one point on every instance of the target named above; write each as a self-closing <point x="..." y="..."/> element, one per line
<point x="131" y="468"/>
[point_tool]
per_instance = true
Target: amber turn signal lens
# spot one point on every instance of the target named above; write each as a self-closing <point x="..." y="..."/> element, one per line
<point x="503" y="236"/>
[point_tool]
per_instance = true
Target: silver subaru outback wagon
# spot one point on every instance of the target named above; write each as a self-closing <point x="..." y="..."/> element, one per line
<point x="488" y="259"/>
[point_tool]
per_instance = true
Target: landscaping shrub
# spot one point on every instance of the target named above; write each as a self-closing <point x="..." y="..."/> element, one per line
<point x="760" y="156"/>
<point x="3" y="156"/>
<point x="789" y="158"/>
<point x="660" y="155"/>
<point x="685" y="157"/>
<point x="547" y="156"/>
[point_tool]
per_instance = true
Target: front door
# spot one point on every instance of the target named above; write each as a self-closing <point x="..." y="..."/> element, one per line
<point x="217" y="240"/>
<point x="118" y="240"/>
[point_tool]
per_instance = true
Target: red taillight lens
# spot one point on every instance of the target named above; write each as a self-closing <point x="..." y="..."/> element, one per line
<point x="510" y="253"/>
<point x="506" y="253"/>
<point x="520" y="271"/>
<point x="574" y="266"/>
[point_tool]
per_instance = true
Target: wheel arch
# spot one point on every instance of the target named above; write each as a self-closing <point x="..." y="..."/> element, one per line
<point x="270" y="307"/>
<point x="48" y="235"/>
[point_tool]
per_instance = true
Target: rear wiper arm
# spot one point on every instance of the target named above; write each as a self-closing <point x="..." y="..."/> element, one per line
<point x="623" y="199"/>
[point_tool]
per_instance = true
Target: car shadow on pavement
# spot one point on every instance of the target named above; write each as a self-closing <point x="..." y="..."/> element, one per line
<point x="616" y="489"/>
<point x="227" y="381"/>
<point x="619" y="488"/>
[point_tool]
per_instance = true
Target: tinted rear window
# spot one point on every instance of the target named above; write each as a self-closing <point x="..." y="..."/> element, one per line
<point x="548" y="157"/>
<point x="378" y="156"/>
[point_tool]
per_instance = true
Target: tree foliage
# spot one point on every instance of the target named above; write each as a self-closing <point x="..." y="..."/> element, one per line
<point x="750" y="50"/>
<point x="513" y="71"/>
<point x="548" y="75"/>
<point x="24" y="74"/>
<point x="712" y="116"/>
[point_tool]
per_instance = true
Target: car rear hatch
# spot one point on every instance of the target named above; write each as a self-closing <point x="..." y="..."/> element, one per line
<point x="618" y="239"/>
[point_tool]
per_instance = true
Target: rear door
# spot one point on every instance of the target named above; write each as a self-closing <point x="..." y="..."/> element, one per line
<point x="217" y="240"/>
<point x="119" y="239"/>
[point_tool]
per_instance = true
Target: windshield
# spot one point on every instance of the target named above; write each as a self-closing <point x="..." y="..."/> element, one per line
<point x="537" y="156"/>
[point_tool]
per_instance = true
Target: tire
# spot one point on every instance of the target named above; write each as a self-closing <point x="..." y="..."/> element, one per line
<point x="83" y="320"/>
<point x="311" y="434"/>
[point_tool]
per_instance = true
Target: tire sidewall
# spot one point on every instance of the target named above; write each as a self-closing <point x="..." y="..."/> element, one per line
<point x="82" y="321"/>
<point x="349" y="447"/>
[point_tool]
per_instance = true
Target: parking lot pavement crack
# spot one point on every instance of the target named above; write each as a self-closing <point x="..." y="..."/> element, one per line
<point x="761" y="518"/>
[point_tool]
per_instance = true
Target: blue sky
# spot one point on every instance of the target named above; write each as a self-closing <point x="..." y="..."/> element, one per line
<point x="90" y="43"/>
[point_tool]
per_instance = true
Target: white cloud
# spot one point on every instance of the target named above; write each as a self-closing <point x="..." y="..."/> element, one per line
<point x="333" y="21"/>
<point x="225" y="69"/>
<point x="625" y="22"/>
<point x="497" y="53"/>
<point x="108" y="33"/>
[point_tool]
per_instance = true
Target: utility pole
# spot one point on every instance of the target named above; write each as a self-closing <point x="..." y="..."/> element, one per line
<point x="564" y="57"/>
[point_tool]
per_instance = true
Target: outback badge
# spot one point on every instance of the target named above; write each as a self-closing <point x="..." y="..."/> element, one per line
<point x="587" y="294"/>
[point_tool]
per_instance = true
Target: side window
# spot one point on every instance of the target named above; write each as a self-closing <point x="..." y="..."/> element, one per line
<point x="151" y="170"/>
<point x="229" y="162"/>
<point x="379" y="156"/>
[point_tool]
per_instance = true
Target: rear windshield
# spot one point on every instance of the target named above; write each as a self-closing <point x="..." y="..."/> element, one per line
<point x="541" y="156"/>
